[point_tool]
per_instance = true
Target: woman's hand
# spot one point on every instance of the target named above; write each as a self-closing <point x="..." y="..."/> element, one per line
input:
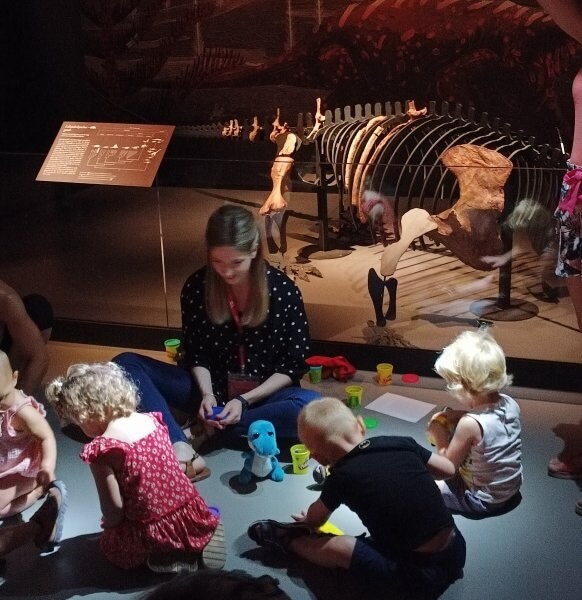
<point x="206" y="406"/>
<point x="230" y="415"/>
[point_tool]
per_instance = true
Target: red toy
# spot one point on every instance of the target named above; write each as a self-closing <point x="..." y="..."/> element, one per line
<point x="338" y="366"/>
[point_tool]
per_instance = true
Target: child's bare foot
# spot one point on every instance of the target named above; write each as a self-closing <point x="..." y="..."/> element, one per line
<point x="199" y="470"/>
<point x="191" y="462"/>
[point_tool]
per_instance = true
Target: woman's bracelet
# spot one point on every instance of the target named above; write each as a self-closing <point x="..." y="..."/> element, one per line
<point x="244" y="403"/>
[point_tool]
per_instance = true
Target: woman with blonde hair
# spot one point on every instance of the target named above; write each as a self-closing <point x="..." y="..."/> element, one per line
<point x="245" y="340"/>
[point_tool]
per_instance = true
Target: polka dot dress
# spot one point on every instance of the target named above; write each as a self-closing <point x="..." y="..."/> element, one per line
<point x="279" y="345"/>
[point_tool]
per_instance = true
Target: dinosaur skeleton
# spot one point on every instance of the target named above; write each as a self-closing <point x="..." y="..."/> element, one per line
<point x="395" y="155"/>
<point x="404" y="158"/>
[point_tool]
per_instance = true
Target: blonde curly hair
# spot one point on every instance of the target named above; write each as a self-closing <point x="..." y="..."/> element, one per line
<point x="97" y="392"/>
<point x="473" y="363"/>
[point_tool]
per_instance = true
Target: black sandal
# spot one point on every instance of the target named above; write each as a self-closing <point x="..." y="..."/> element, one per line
<point x="273" y="534"/>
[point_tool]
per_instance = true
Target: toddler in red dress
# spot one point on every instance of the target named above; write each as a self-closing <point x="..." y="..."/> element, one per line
<point x="152" y="513"/>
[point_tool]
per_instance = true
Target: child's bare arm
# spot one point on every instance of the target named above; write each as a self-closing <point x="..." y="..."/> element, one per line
<point x="316" y="515"/>
<point x="31" y="420"/>
<point x="109" y="494"/>
<point x="467" y="434"/>
<point x="440" y="467"/>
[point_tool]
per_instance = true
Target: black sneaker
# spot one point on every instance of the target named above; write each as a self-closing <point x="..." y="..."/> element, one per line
<point x="50" y="516"/>
<point x="273" y="534"/>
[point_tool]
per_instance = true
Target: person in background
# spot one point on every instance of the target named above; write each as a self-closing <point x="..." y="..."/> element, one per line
<point x="388" y="481"/>
<point x="483" y="441"/>
<point x="25" y="327"/>
<point x="152" y="514"/>
<point x="245" y="339"/>
<point x="568" y="15"/>
<point x="28" y="455"/>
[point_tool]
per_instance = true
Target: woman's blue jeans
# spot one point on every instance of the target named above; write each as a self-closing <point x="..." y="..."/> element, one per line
<point x="163" y="385"/>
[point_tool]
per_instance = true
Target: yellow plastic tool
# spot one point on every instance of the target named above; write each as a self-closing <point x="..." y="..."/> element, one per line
<point x="329" y="527"/>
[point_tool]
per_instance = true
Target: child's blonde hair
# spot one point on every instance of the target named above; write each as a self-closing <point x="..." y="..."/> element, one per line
<point x="329" y="417"/>
<point x="99" y="392"/>
<point x="474" y="363"/>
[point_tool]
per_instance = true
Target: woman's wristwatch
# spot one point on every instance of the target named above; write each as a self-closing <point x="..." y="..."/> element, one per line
<point x="243" y="402"/>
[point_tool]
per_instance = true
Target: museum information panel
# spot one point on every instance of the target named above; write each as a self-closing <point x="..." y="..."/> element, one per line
<point x="106" y="153"/>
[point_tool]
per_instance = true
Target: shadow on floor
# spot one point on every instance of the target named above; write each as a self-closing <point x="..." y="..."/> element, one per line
<point x="77" y="568"/>
<point x="511" y="504"/>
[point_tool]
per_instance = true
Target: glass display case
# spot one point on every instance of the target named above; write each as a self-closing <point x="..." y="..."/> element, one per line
<point x="377" y="284"/>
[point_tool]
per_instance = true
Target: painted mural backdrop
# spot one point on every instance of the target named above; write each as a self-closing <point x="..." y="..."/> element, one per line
<point x="203" y="61"/>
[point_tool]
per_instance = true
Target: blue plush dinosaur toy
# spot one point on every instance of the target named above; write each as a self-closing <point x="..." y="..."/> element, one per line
<point x="262" y="461"/>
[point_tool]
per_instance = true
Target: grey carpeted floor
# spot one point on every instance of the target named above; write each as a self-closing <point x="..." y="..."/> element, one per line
<point x="532" y="552"/>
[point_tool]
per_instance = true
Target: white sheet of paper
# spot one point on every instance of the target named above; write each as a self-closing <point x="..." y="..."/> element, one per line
<point x="401" y="407"/>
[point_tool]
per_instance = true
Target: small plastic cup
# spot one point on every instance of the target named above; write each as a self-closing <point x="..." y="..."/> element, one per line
<point x="300" y="458"/>
<point x="315" y="374"/>
<point x="384" y="373"/>
<point x="172" y="348"/>
<point x="354" y="396"/>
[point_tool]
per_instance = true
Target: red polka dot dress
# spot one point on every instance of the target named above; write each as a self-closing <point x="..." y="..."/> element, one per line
<point x="163" y="511"/>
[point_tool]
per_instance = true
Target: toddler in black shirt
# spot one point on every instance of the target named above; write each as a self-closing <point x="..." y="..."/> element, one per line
<point x="388" y="481"/>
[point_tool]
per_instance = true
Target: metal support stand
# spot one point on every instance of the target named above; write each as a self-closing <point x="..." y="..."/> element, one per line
<point x="325" y="249"/>
<point x="503" y="308"/>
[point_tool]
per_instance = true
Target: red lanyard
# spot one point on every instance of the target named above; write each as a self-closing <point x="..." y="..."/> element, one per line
<point x="236" y="319"/>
